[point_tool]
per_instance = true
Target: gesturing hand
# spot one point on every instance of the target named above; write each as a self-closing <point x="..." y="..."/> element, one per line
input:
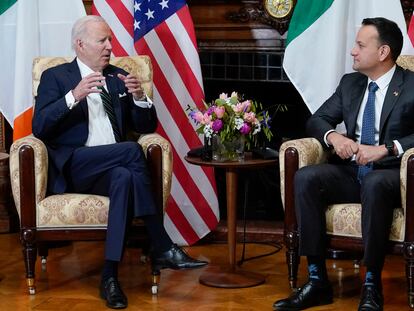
<point x="133" y="85"/>
<point x="88" y="85"/>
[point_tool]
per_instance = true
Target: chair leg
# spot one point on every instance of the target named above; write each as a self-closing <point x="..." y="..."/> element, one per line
<point x="156" y="275"/>
<point x="43" y="253"/>
<point x="27" y="237"/>
<point x="409" y="271"/>
<point x="292" y="257"/>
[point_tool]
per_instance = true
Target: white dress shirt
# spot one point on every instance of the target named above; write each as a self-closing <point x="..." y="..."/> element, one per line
<point x="383" y="82"/>
<point x="99" y="125"/>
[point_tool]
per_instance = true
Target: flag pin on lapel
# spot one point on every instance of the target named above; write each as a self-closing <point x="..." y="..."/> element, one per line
<point x="395" y="93"/>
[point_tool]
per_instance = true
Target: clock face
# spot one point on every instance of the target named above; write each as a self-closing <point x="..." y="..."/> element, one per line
<point x="278" y="8"/>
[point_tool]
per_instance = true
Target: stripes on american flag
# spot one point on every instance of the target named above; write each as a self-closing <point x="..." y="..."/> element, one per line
<point x="163" y="29"/>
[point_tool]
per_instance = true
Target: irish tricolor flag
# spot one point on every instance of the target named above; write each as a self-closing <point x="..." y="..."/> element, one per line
<point x="30" y="28"/>
<point x="320" y="37"/>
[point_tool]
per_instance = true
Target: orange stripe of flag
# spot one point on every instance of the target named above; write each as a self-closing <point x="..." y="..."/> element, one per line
<point x="23" y="124"/>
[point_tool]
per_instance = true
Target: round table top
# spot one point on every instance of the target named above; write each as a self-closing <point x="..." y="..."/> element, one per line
<point x="248" y="162"/>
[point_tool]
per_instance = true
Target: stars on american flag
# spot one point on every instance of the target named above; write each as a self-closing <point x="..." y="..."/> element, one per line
<point x="149" y="13"/>
<point x="136" y="24"/>
<point x="164" y="4"/>
<point x="137" y="6"/>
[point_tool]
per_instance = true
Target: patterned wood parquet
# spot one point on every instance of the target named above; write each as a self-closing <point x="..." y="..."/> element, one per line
<point x="73" y="273"/>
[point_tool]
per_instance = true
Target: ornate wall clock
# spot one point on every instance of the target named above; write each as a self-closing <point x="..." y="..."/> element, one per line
<point x="280" y="10"/>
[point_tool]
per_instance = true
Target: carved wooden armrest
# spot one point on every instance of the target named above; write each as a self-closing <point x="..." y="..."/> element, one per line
<point x="160" y="160"/>
<point x="25" y="154"/>
<point x="294" y="154"/>
<point x="407" y="193"/>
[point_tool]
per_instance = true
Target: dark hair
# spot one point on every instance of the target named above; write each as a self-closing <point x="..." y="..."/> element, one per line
<point x="388" y="34"/>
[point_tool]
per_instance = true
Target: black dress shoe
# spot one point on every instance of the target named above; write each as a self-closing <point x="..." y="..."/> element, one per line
<point x="175" y="258"/>
<point x="313" y="293"/>
<point x="111" y="291"/>
<point x="371" y="299"/>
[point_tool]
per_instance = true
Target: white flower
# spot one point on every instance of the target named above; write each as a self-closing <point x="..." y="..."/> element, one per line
<point x="238" y="123"/>
<point x="257" y="129"/>
<point x="208" y="131"/>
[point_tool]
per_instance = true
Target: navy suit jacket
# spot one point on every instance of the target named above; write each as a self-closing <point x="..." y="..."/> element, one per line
<point x="397" y="115"/>
<point x="63" y="130"/>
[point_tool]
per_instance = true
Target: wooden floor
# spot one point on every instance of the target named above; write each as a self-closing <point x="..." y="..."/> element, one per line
<point x="73" y="273"/>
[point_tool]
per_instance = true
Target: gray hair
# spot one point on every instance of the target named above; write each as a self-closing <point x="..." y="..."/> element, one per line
<point x="79" y="28"/>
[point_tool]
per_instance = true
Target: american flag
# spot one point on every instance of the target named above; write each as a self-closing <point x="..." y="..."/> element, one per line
<point x="163" y="30"/>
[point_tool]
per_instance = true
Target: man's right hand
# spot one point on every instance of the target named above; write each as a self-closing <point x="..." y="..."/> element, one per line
<point x="344" y="146"/>
<point x="88" y="85"/>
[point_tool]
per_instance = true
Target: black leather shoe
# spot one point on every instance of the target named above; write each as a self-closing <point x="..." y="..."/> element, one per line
<point x="371" y="299"/>
<point x="111" y="291"/>
<point x="313" y="293"/>
<point x="176" y="258"/>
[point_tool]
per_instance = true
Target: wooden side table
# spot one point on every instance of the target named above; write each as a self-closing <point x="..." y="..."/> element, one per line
<point x="232" y="276"/>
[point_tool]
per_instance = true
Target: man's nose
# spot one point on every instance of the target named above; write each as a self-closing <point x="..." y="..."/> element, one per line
<point x="108" y="45"/>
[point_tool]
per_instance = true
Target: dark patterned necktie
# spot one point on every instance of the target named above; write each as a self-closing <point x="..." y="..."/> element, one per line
<point x="109" y="109"/>
<point x="368" y="127"/>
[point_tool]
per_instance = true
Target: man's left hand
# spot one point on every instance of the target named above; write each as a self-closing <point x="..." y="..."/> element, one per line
<point x="133" y="85"/>
<point x="369" y="153"/>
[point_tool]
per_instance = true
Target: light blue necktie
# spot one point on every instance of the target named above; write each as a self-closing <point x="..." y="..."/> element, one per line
<point x="368" y="127"/>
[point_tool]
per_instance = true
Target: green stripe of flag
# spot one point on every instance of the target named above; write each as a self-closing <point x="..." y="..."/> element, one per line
<point x="5" y="5"/>
<point x="305" y="14"/>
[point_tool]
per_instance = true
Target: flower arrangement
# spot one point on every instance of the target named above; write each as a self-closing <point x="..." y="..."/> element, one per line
<point x="232" y="117"/>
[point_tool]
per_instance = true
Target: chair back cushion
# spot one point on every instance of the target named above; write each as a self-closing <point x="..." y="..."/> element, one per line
<point x="138" y="65"/>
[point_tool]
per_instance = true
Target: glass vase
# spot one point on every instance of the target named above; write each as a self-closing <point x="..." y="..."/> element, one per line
<point x="228" y="150"/>
<point x="207" y="152"/>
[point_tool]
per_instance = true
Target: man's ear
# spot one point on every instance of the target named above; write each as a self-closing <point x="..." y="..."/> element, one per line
<point x="79" y="43"/>
<point x="385" y="51"/>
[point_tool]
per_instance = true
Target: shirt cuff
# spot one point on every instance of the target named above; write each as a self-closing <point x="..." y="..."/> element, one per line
<point x="326" y="135"/>
<point x="146" y="103"/>
<point x="70" y="100"/>
<point x="399" y="148"/>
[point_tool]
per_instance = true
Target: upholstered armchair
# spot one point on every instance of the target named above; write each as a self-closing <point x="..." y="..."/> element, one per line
<point x="343" y="221"/>
<point x="74" y="216"/>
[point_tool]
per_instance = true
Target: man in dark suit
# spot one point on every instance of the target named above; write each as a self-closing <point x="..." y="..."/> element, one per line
<point x="83" y="111"/>
<point x="376" y="103"/>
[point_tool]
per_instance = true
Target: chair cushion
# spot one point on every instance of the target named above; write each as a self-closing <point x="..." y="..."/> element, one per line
<point x="345" y="220"/>
<point x="73" y="210"/>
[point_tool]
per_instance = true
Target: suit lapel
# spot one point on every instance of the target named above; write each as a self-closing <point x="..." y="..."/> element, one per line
<point x="393" y="92"/>
<point x="356" y="97"/>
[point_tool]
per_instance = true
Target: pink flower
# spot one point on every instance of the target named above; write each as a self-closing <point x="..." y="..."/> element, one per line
<point x="245" y="129"/>
<point x="217" y="125"/>
<point x="238" y="108"/>
<point x="219" y="111"/>
<point x="249" y="117"/>
<point x="206" y="119"/>
<point x="246" y="105"/>
<point x="223" y="96"/>
<point x="197" y="116"/>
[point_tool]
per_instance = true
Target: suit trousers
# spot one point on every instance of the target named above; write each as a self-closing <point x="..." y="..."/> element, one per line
<point x="120" y="172"/>
<point x="318" y="186"/>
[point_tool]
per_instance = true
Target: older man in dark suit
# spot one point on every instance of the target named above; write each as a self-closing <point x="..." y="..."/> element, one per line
<point x="83" y="112"/>
<point x="377" y="106"/>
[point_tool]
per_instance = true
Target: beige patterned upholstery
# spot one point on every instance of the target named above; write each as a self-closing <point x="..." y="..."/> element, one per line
<point x="139" y="65"/>
<point x="342" y="219"/>
<point x="72" y="210"/>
